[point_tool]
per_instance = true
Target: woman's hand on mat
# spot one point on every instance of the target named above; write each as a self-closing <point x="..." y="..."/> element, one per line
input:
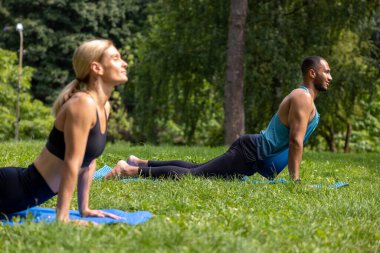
<point x="98" y="213"/>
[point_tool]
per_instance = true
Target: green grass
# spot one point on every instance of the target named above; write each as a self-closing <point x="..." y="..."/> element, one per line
<point x="204" y="215"/>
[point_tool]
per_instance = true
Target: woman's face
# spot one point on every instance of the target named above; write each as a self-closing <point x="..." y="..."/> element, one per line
<point x="114" y="67"/>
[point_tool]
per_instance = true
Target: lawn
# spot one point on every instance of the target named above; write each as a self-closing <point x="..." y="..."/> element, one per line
<point x="215" y="215"/>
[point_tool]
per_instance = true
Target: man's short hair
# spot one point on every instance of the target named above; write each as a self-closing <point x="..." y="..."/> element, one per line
<point x="310" y="62"/>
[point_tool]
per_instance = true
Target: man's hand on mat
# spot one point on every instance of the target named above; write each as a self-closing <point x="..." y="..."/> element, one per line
<point x="98" y="213"/>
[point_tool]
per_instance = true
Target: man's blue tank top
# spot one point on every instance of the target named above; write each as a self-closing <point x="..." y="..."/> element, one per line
<point x="273" y="145"/>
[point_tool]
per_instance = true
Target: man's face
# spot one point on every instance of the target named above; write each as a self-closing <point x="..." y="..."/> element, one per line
<point x="323" y="76"/>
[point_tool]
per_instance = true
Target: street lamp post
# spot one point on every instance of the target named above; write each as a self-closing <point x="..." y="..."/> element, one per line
<point x="19" y="28"/>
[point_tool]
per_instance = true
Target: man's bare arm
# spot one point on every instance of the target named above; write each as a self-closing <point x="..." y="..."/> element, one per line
<point x="301" y="106"/>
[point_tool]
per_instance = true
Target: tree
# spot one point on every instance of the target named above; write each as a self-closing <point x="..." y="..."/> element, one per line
<point x="282" y="33"/>
<point x="181" y="62"/>
<point x="234" y="83"/>
<point x="354" y="61"/>
<point x="354" y="86"/>
<point x="54" y="28"/>
<point x="177" y="55"/>
<point x="36" y="119"/>
<point x="178" y="71"/>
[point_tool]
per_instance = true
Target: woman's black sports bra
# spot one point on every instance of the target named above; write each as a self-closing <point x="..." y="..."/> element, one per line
<point x="96" y="143"/>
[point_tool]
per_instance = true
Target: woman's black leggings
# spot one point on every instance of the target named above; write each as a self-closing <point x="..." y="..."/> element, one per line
<point x="231" y="164"/>
<point x="21" y="188"/>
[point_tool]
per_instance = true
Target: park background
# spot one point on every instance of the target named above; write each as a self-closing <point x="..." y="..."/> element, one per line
<point x="177" y="52"/>
<point x="173" y="108"/>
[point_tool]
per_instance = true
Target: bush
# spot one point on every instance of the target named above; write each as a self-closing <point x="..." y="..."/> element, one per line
<point x="35" y="118"/>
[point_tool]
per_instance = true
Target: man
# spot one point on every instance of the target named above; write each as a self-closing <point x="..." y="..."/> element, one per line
<point x="297" y="118"/>
<point x="267" y="153"/>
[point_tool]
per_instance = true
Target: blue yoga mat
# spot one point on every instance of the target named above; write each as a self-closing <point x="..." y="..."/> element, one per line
<point x="102" y="172"/>
<point x="333" y="186"/>
<point x="48" y="215"/>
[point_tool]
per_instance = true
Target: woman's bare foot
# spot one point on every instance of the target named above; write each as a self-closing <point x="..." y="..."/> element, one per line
<point x="135" y="161"/>
<point x="122" y="170"/>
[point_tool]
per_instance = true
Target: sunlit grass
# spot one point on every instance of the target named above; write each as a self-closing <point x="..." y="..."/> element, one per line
<point x="214" y="215"/>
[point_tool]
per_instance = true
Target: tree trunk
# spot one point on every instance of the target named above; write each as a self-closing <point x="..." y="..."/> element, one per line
<point x="234" y="84"/>
<point x="348" y="137"/>
<point x="332" y="144"/>
<point x="330" y="139"/>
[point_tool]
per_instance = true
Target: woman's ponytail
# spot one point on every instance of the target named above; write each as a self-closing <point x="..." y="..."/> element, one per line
<point x="66" y="93"/>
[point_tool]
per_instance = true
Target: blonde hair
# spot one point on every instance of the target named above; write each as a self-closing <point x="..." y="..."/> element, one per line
<point x="84" y="55"/>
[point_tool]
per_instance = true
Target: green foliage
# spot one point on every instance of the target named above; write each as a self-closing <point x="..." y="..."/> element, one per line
<point x="214" y="215"/>
<point x="183" y="48"/>
<point x="179" y="66"/>
<point x="367" y="134"/>
<point x="176" y="50"/>
<point x="281" y="35"/>
<point x="54" y="28"/>
<point x="355" y="81"/>
<point x="118" y="123"/>
<point x="35" y="118"/>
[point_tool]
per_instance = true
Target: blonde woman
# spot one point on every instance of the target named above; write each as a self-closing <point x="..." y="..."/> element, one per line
<point x="78" y="137"/>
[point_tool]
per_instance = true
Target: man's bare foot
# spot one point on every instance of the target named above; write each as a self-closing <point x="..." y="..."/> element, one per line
<point x="135" y="161"/>
<point x="122" y="170"/>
